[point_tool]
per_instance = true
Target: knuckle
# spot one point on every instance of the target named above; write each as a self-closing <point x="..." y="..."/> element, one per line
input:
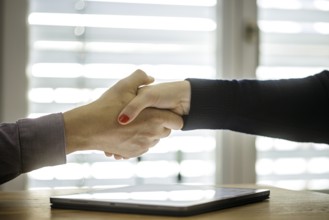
<point x="166" y="132"/>
<point x="140" y="72"/>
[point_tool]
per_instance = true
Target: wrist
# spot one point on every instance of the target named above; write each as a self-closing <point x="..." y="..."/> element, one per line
<point x="185" y="96"/>
<point x="72" y="124"/>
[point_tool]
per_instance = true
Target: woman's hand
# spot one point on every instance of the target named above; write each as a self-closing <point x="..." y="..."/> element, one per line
<point x="173" y="96"/>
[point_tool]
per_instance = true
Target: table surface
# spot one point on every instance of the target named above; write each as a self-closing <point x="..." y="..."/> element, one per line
<point x="283" y="204"/>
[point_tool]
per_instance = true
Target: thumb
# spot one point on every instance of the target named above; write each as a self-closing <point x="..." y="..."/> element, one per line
<point x="132" y="110"/>
<point x="133" y="82"/>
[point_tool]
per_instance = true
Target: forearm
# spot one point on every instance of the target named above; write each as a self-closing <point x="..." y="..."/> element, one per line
<point x="294" y="109"/>
<point x="31" y="144"/>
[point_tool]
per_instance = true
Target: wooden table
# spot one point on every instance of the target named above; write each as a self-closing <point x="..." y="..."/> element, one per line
<point x="283" y="204"/>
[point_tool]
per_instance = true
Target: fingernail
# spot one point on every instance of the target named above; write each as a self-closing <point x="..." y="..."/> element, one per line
<point x="123" y="118"/>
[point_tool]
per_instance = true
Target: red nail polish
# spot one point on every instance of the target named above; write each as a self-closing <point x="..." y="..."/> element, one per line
<point x="123" y="118"/>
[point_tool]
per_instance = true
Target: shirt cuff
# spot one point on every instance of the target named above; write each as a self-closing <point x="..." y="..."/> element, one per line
<point x="42" y="142"/>
<point x="212" y="104"/>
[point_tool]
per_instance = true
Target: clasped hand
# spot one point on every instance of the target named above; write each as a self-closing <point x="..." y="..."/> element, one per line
<point x="95" y="126"/>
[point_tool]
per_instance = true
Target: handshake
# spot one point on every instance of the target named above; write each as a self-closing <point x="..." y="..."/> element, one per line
<point x="129" y="118"/>
<point x="133" y="115"/>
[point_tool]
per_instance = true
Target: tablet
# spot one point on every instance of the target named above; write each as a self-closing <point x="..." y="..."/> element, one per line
<point x="172" y="200"/>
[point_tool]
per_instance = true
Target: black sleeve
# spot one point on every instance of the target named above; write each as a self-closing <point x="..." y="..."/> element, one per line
<point x="292" y="109"/>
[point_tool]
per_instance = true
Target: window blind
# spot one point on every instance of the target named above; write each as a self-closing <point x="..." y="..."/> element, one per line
<point x="294" y="43"/>
<point x="79" y="48"/>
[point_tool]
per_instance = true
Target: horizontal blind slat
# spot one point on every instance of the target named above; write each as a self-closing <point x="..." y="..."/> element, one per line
<point x="138" y="59"/>
<point x="294" y="15"/>
<point x="299" y="38"/>
<point x="53" y="33"/>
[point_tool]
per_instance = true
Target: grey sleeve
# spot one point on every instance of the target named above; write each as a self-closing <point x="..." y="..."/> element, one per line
<point x="30" y="144"/>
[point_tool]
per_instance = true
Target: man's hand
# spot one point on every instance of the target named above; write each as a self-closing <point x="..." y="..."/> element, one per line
<point x="95" y="127"/>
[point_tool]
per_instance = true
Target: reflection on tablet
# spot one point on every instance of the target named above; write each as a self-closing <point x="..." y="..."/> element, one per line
<point x="176" y="195"/>
<point x="177" y="199"/>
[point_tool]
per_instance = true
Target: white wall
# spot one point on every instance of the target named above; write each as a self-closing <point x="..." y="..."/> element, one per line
<point x="13" y="64"/>
<point x="14" y="103"/>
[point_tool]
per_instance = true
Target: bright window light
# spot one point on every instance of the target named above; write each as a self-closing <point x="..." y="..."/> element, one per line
<point x="264" y="144"/>
<point x="71" y="171"/>
<point x="196" y="144"/>
<point x="161" y="71"/>
<point x="165" y="2"/>
<point x="282" y="72"/>
<point x="195" y="168"/>
<point x="157" y="195"/>
<point x="318" y="165"/>
<point x="293" y="49"/>
<point x="96" y="93"/>
<point x="318" y="184"/>
<point x="108" y="71"/>
<point x="187" y="145"/>
<point x="280" y="4"/>
<point x="284" y="145"/>
<point x="126" y="47"/>
<point x="123" y="21"/>
<point x="322" y="147"/>
<point x="289" y="27"/>
<point x="116" y="47"/>
<point x="36" y="115"/>
<point x="45" y="173"/>
<point x="291" y="184"/>
<point x="70" y="95"/>
<point x="166" y="71"/>
<point x="322" y="5"/>
<point x="157" y="169"/>
<point x="57" y="70"/>
<point x="191" y="195"/>
<point x="112" y="170"/>
<point x="166" y="145"/>
<point x="290" y="166"/>
<point x="41" y="95"/>
<point x="264" y="167"/>
<point x="58" y="45"/>
<point x="321" y="27"/>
